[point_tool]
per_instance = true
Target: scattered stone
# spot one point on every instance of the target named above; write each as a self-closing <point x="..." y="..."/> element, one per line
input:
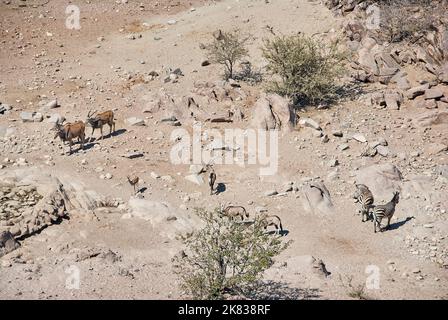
<point x="31" y="117"/>
<point x="154" y="175"/>
<point x="333" y="163"/>
<point x="310" y="123"/>
<point x="417" y="91"/>
<point x="338" y="133"/>
<point x="359" y="137"/>
<point x="379" y="142"/>
<point x="270" y="193"/>
<point x="382" y="150"/>
<point x="52" y="104"/>
<point x="434" y="93"/>
<point x="133" y="155"/>
<point x="7" y="243"/>
<point x="134" y="121"/>
<point x="393" y="100"/>
<point x="56" y="119"/>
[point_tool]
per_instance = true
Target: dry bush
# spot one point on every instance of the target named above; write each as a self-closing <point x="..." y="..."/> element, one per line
<point x="225" y="257"/>
<point x="354" y="291"/>
<point x="303" y="68"/>
<point x="405" y="20"/>
<point x="227" y="49"/>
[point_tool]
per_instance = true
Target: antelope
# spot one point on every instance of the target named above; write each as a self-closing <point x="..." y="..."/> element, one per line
<point x="99" y="120"/>
<point x="70" y="131"/>
<point x="385" y="211"/>
<point x="133" y="182"/>
<point x="272" y="220"/>
<point x="234" y="211"/>
<point x="211" y="181"/>
<point x="211" y="176"/>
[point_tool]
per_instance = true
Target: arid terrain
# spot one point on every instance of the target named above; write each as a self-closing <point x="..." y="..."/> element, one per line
<point x="144" y="60"/>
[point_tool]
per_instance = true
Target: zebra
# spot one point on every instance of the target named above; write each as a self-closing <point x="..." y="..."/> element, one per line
<point x="364" y="196"/>
<point x="385" y="211"/>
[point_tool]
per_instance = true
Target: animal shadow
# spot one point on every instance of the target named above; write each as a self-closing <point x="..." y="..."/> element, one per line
<point x="220" y="188"/>
<point x="77" y="149"/>
<point x="281" y="233"/>
<point x="113" y="134"/>
<point x="142" y="190"/>
<point x="398" y="224"/>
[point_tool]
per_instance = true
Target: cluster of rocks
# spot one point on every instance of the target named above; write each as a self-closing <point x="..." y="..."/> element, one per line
<point x="31" y="200"/>
<point x="383" y="62"/>
<point x="23" y="211"/>
<point x="195" y="106"/>
<point x="428" y="247"/>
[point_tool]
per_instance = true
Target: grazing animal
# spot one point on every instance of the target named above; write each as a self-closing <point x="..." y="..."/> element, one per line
<point x="364" y="196"/>
<point x="133" y="182"/>
<point x="101" y="119"/>
<point x="385" y="211"/>
<point x="272" y="220"/>
<point x="235" y="211"/>
<point x="70" y="131"/>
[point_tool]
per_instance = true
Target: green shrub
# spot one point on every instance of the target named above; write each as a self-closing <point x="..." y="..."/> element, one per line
<point x="302" y="68"/>
<point x="227" y="49"/>
<point x="225" y="257"/>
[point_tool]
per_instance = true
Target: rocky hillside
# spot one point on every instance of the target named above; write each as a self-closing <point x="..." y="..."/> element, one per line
<point x="72" y="226"/>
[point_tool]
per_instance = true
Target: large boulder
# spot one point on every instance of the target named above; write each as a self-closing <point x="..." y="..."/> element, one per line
<point x="317" y="199"/>
<point x="273" y="112"/>
<point x="7" y="243"/>
<point x="165" y="219"/>
<point x="382" y="180"/>
<point x="38" y="199"/>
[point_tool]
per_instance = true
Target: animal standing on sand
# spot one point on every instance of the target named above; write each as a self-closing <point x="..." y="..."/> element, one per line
<point x="235" y="211"/>
<point x="364" y="197"/>
<point x="70" y="131"/>
<point x="211" y="177"/>
<point x="133" y="181"/>
<point x="272" y="220"/>
<point x="101" y="119"/>
<point x="385" y="211"/>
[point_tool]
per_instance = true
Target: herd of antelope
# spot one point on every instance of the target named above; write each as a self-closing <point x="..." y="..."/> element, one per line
<point x="363" y="195"/>
<point x="239" y="212"/>
<point x="72" y="130"/>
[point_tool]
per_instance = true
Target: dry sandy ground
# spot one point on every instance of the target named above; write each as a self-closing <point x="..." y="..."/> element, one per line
<point x="85" y="72"/>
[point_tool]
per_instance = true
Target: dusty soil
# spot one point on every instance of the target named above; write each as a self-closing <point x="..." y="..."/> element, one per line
<point x="99" y="67"/>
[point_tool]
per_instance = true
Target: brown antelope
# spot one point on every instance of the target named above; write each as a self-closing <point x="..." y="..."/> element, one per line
<point x="99" y="120"/>
<point x="133" y="181"/>
<point x="272" y="220"/>
<point x="70" y="131"/>
<point x="234" y="211"/>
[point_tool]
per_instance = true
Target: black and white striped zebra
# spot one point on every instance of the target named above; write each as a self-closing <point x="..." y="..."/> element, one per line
<point x="364" y="196"/>
<point x="385" y="211"/>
